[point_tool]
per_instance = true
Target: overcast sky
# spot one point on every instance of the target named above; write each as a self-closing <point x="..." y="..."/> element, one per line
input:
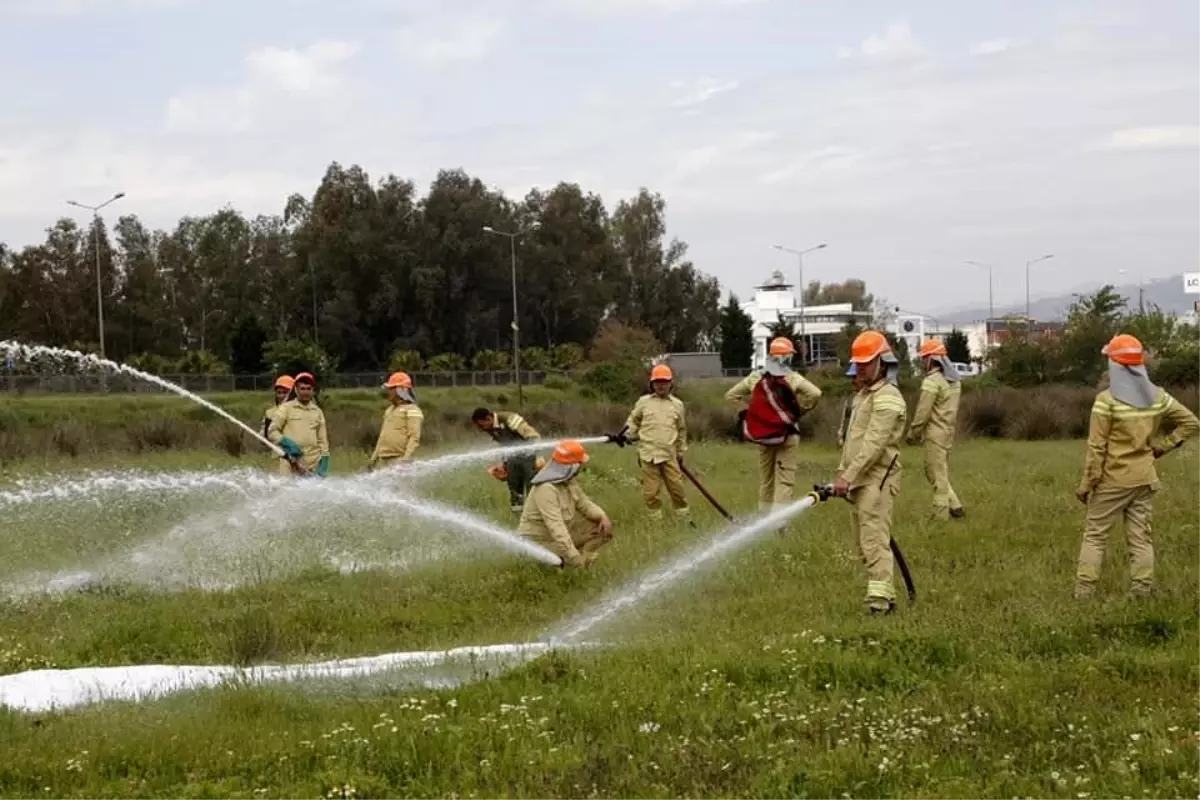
<point x="911" y="136"/>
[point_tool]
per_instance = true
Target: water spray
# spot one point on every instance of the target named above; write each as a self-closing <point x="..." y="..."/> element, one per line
<point x="689" y="562"/>
<point x="27" y="352"/>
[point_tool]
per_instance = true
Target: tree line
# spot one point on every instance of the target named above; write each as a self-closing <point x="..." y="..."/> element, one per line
<point x="362" y="275"/>
<point x="1072" y="354"/>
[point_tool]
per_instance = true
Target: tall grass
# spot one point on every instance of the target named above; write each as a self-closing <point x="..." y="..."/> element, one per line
<point x="72" y="427"/>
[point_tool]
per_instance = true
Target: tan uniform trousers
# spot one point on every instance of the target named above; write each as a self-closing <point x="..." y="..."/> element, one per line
<point x="308" y="462"/>
<point x="777" y="472"/>
<point x="586" y="536"/>
<point x="1106" y="506"/>
<point x="937" y="472"/>
<point x="653" y="478"/>
<point x="871" y="523"/>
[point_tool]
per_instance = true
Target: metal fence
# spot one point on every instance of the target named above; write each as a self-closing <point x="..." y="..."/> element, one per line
<point x="126" y="384"/>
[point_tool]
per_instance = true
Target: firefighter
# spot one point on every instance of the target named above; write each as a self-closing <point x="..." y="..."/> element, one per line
<point x="775" y="398"/>
<point x="299" y="428"/>
<point x="659" y="426"/>
<point x="1119" y="479"/>
<point x="934" y="424"/>
<point x="509" y="428"/>
<point x="559" y="516"/>
<point x="400" y="434"/>
<point x="868" y="474"/>
<point x="283" y="393"/>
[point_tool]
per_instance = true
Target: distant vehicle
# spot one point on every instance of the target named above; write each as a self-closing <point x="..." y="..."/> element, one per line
<point x="967" y="370"/>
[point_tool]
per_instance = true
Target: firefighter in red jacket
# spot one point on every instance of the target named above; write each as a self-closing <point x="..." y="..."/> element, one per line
<point x="775" y="398"/>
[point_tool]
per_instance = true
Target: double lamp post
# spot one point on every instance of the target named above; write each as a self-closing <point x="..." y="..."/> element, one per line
<point x="516" y="327"/>
<point x="96" y="232"/>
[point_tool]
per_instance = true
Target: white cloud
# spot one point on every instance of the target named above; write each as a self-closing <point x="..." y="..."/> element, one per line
<point x="600" y="9"/>
<point x="68" y="8"/>
<point x="897" y="43"/>
<point x="441" y="40"/>
<point x="694" y="93"/>
<point x="312" y="73"/>
<point x="993" y="47"/>
<point x="1162" y="137"/>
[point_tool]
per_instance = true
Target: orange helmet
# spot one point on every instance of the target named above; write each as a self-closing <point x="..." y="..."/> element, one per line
<point x="933" y="347"/>
<point x="398" y="380"/>
<point x="1125" y="350"/>
<point x="868" y="346"/>
<point x="661" y="372"/>
<point x="569" y="452"/>
<point x="781" y="346"/>
<point x="306" y="377"/>
<point x="285" y="382"/>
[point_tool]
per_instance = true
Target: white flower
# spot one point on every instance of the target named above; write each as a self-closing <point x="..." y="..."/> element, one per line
<point x="648" y="727"/>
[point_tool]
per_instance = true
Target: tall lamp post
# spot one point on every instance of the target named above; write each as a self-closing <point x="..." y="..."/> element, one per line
<point x="96" y="230"/>
<point x="799" y="254"/>
<point x="1027" y="265"/>
<point x="991" y="302"/>
<point x="516" y="328"/>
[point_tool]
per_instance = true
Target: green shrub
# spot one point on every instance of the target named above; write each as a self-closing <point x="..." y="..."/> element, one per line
<point x="405" y="361"/>
<point x="621" y="381"/>
<point x="446" y="362"/>
<point x="491" y="361"/>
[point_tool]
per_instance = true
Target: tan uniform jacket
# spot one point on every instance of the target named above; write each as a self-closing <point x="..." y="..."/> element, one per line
<point x="550" y="510"/>
<point x="806" y="392"/>
<point x="659" y="426"/>
<point x="1121" y="439"/>
<point x="937" y="410"/>
<point x="304" y="425"/>
<point x="400" y="434"/>
<point x="873" y="436"/>
<point x="268" y="415"/>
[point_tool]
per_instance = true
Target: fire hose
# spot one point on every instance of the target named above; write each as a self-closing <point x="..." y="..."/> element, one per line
<point x="825" y="491"/>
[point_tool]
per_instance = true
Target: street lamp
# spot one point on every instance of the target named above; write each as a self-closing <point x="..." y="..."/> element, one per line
<point x="1027" y="264"/>
<point x="1141" y="291"/>
<point x="516" y="328"/>
<point x="799" y="254"/>
<point x="991" y="303"/>
<point x="96" y="230"/>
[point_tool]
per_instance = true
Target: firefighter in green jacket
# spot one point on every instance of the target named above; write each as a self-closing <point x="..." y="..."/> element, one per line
<point x="509" y="428"/>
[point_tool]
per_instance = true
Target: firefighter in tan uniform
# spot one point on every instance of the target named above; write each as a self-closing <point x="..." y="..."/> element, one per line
<point x="934" y="424"/>
<point x="658" y="425"/>
<point x="869" y="471"/>
<point x="400" y="434"/>
<point x="774" y="399"/>
<point x="559" y="516"/>
<point x="517" y="470"/>
<point x="1119" y="479"/>
<point x="283" y="391"/>
<point x="299" y="428"/>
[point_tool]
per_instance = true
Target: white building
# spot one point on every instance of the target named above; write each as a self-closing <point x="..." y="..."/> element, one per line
<point x="816" y="328"/>
<point x="916" y="328"/>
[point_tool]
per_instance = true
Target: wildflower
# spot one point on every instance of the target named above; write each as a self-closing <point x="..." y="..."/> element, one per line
<point x="648" y="727"/>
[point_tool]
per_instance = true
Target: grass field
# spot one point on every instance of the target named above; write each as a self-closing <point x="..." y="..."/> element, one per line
<point x="760" y="677"/>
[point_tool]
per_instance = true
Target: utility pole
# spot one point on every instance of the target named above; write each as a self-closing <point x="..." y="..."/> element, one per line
<point x="516" y="327"/>
<point x="799" y="254"/>
<point x="1027" y="265"/>
<point x="96" y="231"/>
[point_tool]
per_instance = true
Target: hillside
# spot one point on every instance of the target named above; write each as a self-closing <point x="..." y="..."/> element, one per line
<point x="1166" y="293"/>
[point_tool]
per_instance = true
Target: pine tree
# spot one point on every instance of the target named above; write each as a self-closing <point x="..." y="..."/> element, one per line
<point x="737" y="336"/>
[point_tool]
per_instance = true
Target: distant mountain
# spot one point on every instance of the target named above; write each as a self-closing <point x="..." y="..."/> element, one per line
<point x="1166" y="293"/>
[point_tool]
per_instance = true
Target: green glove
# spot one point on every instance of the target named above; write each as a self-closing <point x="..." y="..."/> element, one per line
<point x="292" y="449"/>
<point x="323" y="466"/>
